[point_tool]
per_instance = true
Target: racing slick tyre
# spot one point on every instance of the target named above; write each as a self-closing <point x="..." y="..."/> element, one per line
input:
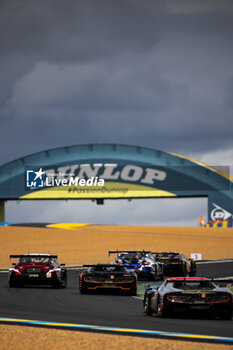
<point x="155" y="277"/>
<point x="133" y="291"/>
<point x="64" y="283"/>
<point x="83" y="290"/>
<point x="13" y="284"/>
<point x="161" y="312"/>
<point x="193" y="269"/>
<point x="192" y="274"/>
<point x="159" y="277"/>
<point x="162" y="277"/>
<point x="152" y="277"/>
<point x="57" y="284"/>
<point x="226" y="315"/>
<point x="184" y="271"/>
<point x="147" y="307"/>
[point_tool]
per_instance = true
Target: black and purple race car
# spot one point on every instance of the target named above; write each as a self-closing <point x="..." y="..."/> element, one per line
<point x="108" y="277"/>
<point x="189" y="295"/>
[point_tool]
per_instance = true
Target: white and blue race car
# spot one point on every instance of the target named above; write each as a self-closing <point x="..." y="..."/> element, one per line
<point x="141" y="262"/>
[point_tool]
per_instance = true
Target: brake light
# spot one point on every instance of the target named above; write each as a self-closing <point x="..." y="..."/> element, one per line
<point x="176" y="261"/>
<point x="146" y="263"/>
<point x="117" y="261"/>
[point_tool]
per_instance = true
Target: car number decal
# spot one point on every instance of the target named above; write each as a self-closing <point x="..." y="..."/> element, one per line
<point x="33" y="275"/>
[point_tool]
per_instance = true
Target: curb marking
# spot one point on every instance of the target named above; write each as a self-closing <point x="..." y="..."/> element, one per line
<point x="74" y="326"/>
<point x="66" y="226"/>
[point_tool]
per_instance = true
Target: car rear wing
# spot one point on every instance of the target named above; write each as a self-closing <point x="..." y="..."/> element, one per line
<point x="15" y="256"/>
<point x="227" y="280"/>
<point x="129" y="251"/>
<point x="102" y="265"/>
<point x="175" y="253"/>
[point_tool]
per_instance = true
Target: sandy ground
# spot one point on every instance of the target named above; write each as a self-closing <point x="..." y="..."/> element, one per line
<point x="53" y="339"/>
<point x="90" y="244"/>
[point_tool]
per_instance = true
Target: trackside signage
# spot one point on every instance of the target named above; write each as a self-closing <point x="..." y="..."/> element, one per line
<point x="218" y="213"/>
<point x="111" y="171"/>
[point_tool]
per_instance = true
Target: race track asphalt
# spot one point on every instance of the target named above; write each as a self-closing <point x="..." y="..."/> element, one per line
<point x="69" y="306"/>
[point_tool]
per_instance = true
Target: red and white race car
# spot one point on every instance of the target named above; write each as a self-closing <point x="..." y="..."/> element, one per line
<point x="37" y="269"/>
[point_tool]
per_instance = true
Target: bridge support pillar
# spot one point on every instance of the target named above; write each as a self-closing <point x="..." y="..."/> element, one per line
<point x="2" y="210"/>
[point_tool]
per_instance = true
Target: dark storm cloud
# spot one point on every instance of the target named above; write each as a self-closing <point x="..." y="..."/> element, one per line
<point x="57" y="31"/>
<point x="136" y="72"/>
<point x="229" y="94"/>
<point x="75" y="30"/>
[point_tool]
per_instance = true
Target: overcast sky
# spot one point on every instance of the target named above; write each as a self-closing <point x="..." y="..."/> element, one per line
<point x="150" y="73"/>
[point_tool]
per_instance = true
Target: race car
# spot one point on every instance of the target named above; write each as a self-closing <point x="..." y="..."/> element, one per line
<point x="37" y="269"/>
<point x="188" y="296"/>
<point x="141" y="262"/>
<point x="176" y="264"/>
<point x="107" y="277"/>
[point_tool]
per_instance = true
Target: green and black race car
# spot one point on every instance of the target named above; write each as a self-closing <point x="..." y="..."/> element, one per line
<point x="176" y="264"/>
